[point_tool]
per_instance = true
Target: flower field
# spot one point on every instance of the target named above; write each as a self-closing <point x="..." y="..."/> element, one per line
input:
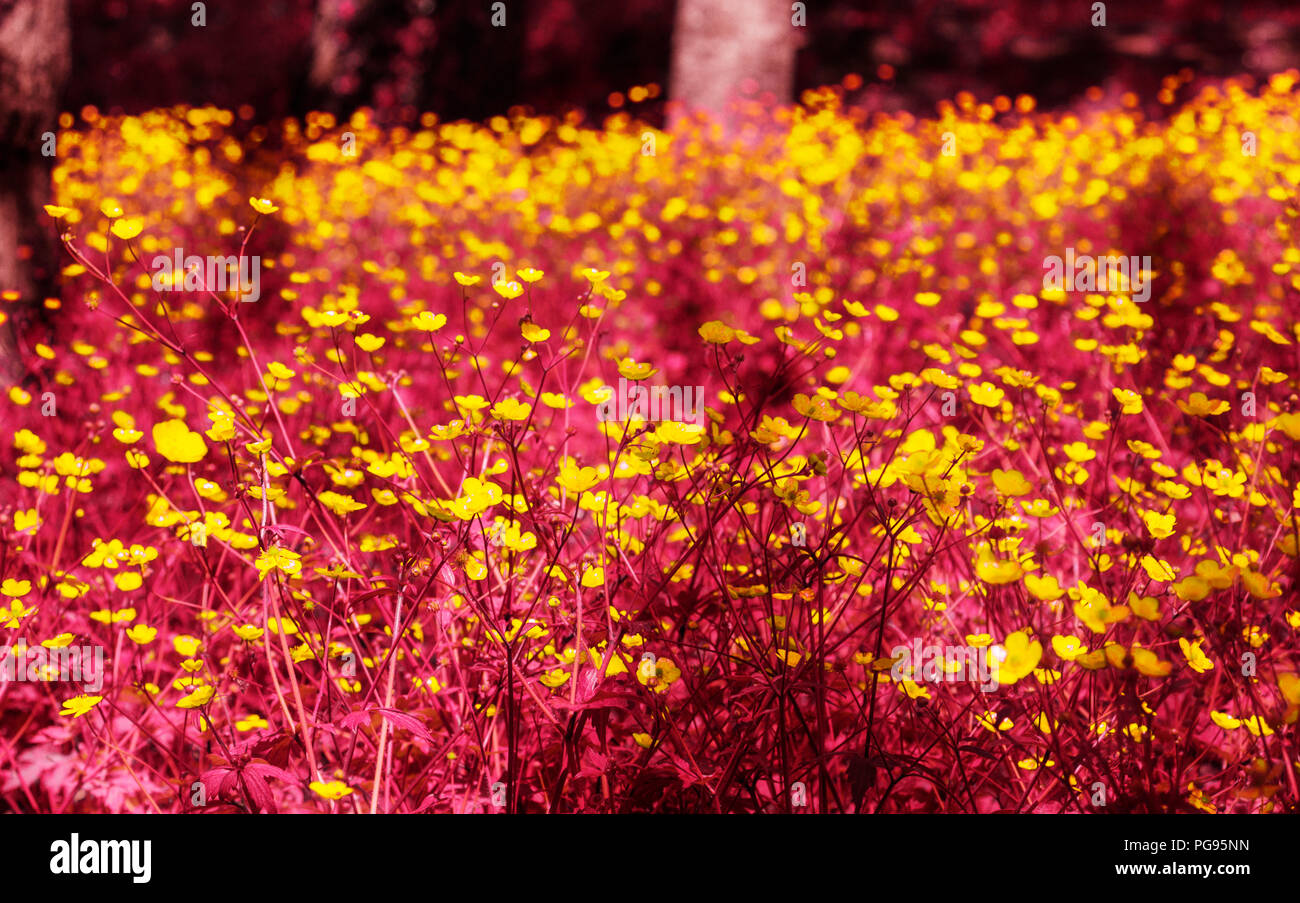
<point x="370" y="542"/>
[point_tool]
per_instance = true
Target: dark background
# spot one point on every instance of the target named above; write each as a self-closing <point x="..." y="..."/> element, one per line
<point x="409" y="56"/>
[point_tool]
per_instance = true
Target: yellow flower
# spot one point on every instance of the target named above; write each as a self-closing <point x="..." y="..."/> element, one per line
<point x="986" y="394"/>
<point x="175" y="442"/>
<point x="104" y="616"/>
<point x="914" y="690"/>
<point x="1225" y="721"/>
<point x="593" y="577"/>
<point x="998" y="572"/>
<point x="657" y="673"/>
<point x="80" y="705"/>
<point x="467" y="280"/>
<point x="429" y="321"/>
<point x="1016" y="658"/>
<point x="338" y="503"/>
<point x="512" y="537"/>
<point x="511" y="409"/>
<point x="994" y="570"/>
<point x="331" y="318"/>
<point x="57" y="212"/>
<point x="141" y="634"/>
<point x="1259" y="585"/>
<point x="1197" y="659"/>
<point x="1046" y="588"/>
<point x="330" y="790"/>
<point x="279" y="558"/>
<point x="1201" y="406"/>
<point x="1145" y="607"/>
<point x="110" y="208"/>
<point x="1257" y="726"/>
<point x="1289" y="684"/>
<point x="29" y="443"/>
<point x="470" y="402"/>
<point x="508" y="290"/>
<point x="128" y="580"/>
<point x="475" y="497"/>
<point x="223" y="425"/>
<point x="1068" y="647"/>
<point x="630" y="369"/>
<point x="475" y="569"/>
<point x="715" y="332"/>
<point x="681" y="433"/>
<point x="576" y="479"/>
<point x="201" y="696"/>
<point x="368" y="342"/>
<point x="1148" y="663"/>
<point x="12" y="587"/>
<point x="814" y="408"/>
<point x="26" y="520"/>
<point x="262" y="205"/>
<point x="1160" y="526"/>
<point x="1191" y="589"/>
<point x="528" y="274"/>
<point x="989" y="721"/>
<point x="1011" y="482"/>
<point x="534" y="333"/>
<point x="1095" y="610"/>
<point x="1079" y="452"/>
<point x="1196" y="798"/>
<point x="248" y="632"/>
<point x="128" y="228"/>
<point x="1130" y="401"/>
<point x="555" y="677"/>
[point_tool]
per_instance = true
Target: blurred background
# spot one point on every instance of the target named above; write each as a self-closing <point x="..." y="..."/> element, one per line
<point x="403" y="57"/>
<point x="284" y="57"/>
<point x="474" y="59"/>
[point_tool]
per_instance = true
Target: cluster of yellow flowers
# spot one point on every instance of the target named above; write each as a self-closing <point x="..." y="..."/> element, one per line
<point x="900" y="420"/>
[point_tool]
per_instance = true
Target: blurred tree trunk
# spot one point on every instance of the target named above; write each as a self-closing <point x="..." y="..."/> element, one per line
<point x="335" y="65"/>
<point x="35" y="57"/>
<point x="719" y="44"/>
<point x="458" y="60"/>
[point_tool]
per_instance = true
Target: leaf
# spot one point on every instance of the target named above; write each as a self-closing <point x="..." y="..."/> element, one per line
<point x="266" y="770"/>
<point x="259" y="794"/>
<point x="397" y="719"/>
<point x="409" y="722"/>
<point x="356" y="719"/>
<point x="587" y="682"/>
<point x="594" y="764"/>
<point x="274" y="748"/>
<point x="214" y="779"/>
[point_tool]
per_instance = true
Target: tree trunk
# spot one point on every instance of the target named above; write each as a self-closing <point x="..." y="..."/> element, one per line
<point x="334" y="62"/>
<point x="34" y="61"/>
<point x="723" y="48"/>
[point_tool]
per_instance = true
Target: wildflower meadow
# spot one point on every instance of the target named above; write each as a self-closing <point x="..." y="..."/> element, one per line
<point x="821" y="461"/>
